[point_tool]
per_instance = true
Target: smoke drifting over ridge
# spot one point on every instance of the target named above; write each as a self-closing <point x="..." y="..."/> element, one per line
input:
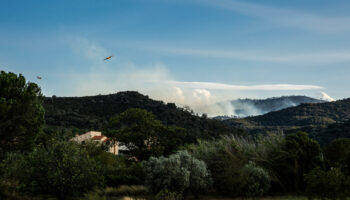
<point x="203" y="97"/>
<point x="158" y="82"/>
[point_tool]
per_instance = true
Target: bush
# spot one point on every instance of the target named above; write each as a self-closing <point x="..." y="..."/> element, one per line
<point x="119" y="170"/>
<point x="331" y="184"/>
<point x="227" y="160"/>
<point x="256" y="180"/>
<point x="337" y="154"/>
<point x="178" y="173"/>
<point x="223" y="161"/>
<point x="61" y="169"/>
<point x="167" y="195"/>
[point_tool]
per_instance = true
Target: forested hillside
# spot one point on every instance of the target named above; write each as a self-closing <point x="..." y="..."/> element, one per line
<point x="94" y="112"/>
<point x="316" y="119"/>
<point x="252" y="107"/>
<point x="306" y="114"/>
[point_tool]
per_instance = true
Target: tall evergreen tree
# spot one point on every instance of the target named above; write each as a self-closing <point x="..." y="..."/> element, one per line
<point x="21" y="112"/>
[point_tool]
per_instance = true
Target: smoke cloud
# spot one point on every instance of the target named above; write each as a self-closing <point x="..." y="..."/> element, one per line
<point x="156" y="81"/>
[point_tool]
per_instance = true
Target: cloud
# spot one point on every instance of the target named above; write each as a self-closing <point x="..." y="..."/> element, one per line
<point x="320" y="57"/>
<point x="284" y="17"/>
<point x="222" y="86"/>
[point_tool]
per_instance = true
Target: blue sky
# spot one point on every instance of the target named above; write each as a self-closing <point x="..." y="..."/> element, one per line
<point x="187" y="51"/>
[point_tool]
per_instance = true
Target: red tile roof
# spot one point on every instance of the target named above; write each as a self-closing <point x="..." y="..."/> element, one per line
<point x="97" y="137"/>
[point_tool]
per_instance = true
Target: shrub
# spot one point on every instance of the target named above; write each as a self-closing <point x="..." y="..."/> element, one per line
<point x="337" y="154"/>
<point x="256" y="180"/>
<point x="223" y="161"/>
<point x="178" y="173"/>
<point x="228" y="157"/>
<point x="331" y="184"/>
<point x="119" y="170"/>
<point x="167" y="195"/>
<point x="61" y="169"/>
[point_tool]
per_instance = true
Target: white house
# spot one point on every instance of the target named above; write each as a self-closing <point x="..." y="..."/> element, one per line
<point x="98" y="137"/>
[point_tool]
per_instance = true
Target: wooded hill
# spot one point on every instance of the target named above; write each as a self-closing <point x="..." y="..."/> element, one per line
<point x="253" y="107"/>
<point x="314" y="118"/>
<point x="94" y="112"/>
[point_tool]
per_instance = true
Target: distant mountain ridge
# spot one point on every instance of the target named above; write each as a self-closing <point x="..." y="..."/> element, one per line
<point x="94" y="112"/>
<point x="253" y="107"/>
<point x="318" y="119"/>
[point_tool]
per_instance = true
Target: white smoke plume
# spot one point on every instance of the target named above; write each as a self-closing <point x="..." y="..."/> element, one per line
<point x="326" y="97"/>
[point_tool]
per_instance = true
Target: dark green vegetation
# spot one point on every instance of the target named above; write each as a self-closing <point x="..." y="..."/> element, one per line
<point x="248" y="107"/>
<point x="180" y="173"/>
<point x="143" y="135"/>
<point x="62" y="169"/>
<point x="94" y="113"/>
<point x="21" y="112"/>
<point x="323" y="121"/>
<point x="172" y="154"/>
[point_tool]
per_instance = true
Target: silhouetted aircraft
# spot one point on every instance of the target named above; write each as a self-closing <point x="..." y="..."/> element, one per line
<point x="107" y="58"/>
<point x="39" y="77"/>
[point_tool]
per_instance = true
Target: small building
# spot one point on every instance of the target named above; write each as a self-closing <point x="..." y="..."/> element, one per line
<point x="98" y="137"/>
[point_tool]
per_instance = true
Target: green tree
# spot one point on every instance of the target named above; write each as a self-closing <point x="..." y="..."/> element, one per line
<point x="256" y="181"/>
<point x="179" y="173"/>
<point x="143" y="135"/>
<point x="303" y="155"/>
<point x="21" y="112"/>
<point x="337" y="154"/>
<point x="331" y="184"/>
<point x="62" y="169"/>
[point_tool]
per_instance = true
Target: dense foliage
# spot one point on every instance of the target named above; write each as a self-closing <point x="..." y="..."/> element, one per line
<point x="143" y="135"/>
<point x="307" y="114"/>
<point x="248" y="107"/>
<point x="257" y="180"/>
<point x="332" y="184"/>
<point x="94" y="112"/>
<point x="240" y="166"/>
<point x="43" y="162"/>
<point x="61" y="169"/>
<point x="21" y="113"/>
<point x="231" y="163"/>
<point x="179" y="173"/>
<point x="323" y="121"/>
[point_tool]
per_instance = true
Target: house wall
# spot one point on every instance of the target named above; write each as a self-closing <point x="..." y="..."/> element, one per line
<point x="89" y="135"/>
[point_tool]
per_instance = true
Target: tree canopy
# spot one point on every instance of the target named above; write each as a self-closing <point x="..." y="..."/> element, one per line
<point x="21" y="112"/>
<point x="143" y="135"/>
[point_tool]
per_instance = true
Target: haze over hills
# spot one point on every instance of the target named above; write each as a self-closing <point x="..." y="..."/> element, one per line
<point x="318" y="119"/>
<point x="252" y="107"/>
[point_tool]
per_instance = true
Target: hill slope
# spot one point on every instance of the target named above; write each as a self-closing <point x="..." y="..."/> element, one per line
<point x="94" y="112"/>
<point x="311" y="117"/>
<point x="252" y="107"/>
<point x="306" y="114"/>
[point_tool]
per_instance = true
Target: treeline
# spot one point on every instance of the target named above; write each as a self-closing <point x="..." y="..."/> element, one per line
<point x="94" y="112"/>
<point x="37" y="163"/>
<point x="323" y="121"/>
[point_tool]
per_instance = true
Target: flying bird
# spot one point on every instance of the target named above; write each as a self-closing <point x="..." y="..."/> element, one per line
<point x="108" y="58"/>
<point x="39" y="77"/>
